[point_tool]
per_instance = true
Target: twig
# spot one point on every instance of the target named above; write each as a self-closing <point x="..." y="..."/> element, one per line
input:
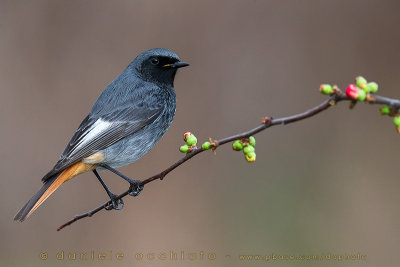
<point x="266" y="123"/>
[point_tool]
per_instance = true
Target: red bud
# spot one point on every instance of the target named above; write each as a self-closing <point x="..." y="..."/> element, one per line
<point x="185" y="135"/>
<point x="354" y="92"/>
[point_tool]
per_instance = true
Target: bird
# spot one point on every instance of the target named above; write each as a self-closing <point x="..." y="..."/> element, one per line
<point x="128" y="118"/>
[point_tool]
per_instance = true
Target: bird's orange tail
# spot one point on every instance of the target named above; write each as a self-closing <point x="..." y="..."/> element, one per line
<point x="49" y="187"/>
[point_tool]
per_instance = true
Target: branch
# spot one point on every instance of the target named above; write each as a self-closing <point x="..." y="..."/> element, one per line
<point x="335" y="97"/>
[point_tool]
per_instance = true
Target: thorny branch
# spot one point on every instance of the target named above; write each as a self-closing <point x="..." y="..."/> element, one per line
<point x="266" y="123"/>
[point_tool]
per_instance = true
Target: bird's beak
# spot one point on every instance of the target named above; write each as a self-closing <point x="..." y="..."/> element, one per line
<point x="177" y="65"/>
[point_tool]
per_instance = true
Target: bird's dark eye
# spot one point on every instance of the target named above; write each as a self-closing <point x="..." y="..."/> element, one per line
<point x="155" y="61"/>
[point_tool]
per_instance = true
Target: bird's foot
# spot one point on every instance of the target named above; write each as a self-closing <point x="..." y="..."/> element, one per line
<point x="115" y="203"/>
<point x="135" y="188"/>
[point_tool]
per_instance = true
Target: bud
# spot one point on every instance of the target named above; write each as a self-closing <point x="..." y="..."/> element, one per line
<point x="251" y="157"/>
<point x="184" y="148"/>
<point x="361" y="82"/>
<point x="353" y="92"/>
<point x="326" y="89"/>
<point x="248" y="149"/>
<point x="396" y="121"/>
<point x="362" y="96"/>
<point x="185" y="135"/>
<point x="206" y="145"/>
<point x="191" y="140"/>
<point x="372" y="87"/>
<point x="237" y="145"/>
<point x="385" y="110"/>
<point x="252" y="141"/>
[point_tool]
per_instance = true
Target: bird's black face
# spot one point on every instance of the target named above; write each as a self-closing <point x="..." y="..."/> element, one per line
<point x="159" y="66"/>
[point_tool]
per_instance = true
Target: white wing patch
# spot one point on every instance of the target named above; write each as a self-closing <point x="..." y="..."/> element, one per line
<point x="94" y="131"/>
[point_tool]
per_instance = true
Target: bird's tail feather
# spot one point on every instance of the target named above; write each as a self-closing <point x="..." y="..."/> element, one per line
<point x="49" y="187"/>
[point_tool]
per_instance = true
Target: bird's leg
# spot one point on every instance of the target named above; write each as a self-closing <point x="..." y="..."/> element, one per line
<point x="114" y="203"/>
<point x="135" y="187"/>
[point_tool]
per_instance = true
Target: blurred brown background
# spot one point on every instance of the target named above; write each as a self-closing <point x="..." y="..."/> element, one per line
<point x="328" y="184"/>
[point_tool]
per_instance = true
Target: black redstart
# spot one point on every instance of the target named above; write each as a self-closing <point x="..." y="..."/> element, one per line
<point x="126" y="121"/>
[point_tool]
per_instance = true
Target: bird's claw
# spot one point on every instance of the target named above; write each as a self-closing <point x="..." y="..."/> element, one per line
<point x="115" y="203"/>
<point x="135" y="189"/>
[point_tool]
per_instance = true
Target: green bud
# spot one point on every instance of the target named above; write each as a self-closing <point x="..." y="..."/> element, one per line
<point x="248" y="149"/>
<point x="184" y="148"/>
<point x="385" y="110"/>
<point x="396" y="121"/>
<point x="206" y="145"/>
<point x="252" y="141"/>
<point x="326" y="89"/>
<point x="237" y="145"/>
<point x="361" y="82"/>
<point x="362" y="95"/>
<point x="191" y="140"/>
<point x="372" y="87"/>
<point x="251" y="157"/>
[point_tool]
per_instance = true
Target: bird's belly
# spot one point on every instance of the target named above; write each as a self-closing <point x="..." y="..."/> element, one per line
<point x="126" y="151"/>
<point x="133" y="147"/>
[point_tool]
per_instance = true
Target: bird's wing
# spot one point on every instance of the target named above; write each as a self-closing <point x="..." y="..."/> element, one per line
<point x="99" y="132"/>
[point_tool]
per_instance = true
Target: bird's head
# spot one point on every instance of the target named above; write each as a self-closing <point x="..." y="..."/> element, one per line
<point x="157" y="65"/>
